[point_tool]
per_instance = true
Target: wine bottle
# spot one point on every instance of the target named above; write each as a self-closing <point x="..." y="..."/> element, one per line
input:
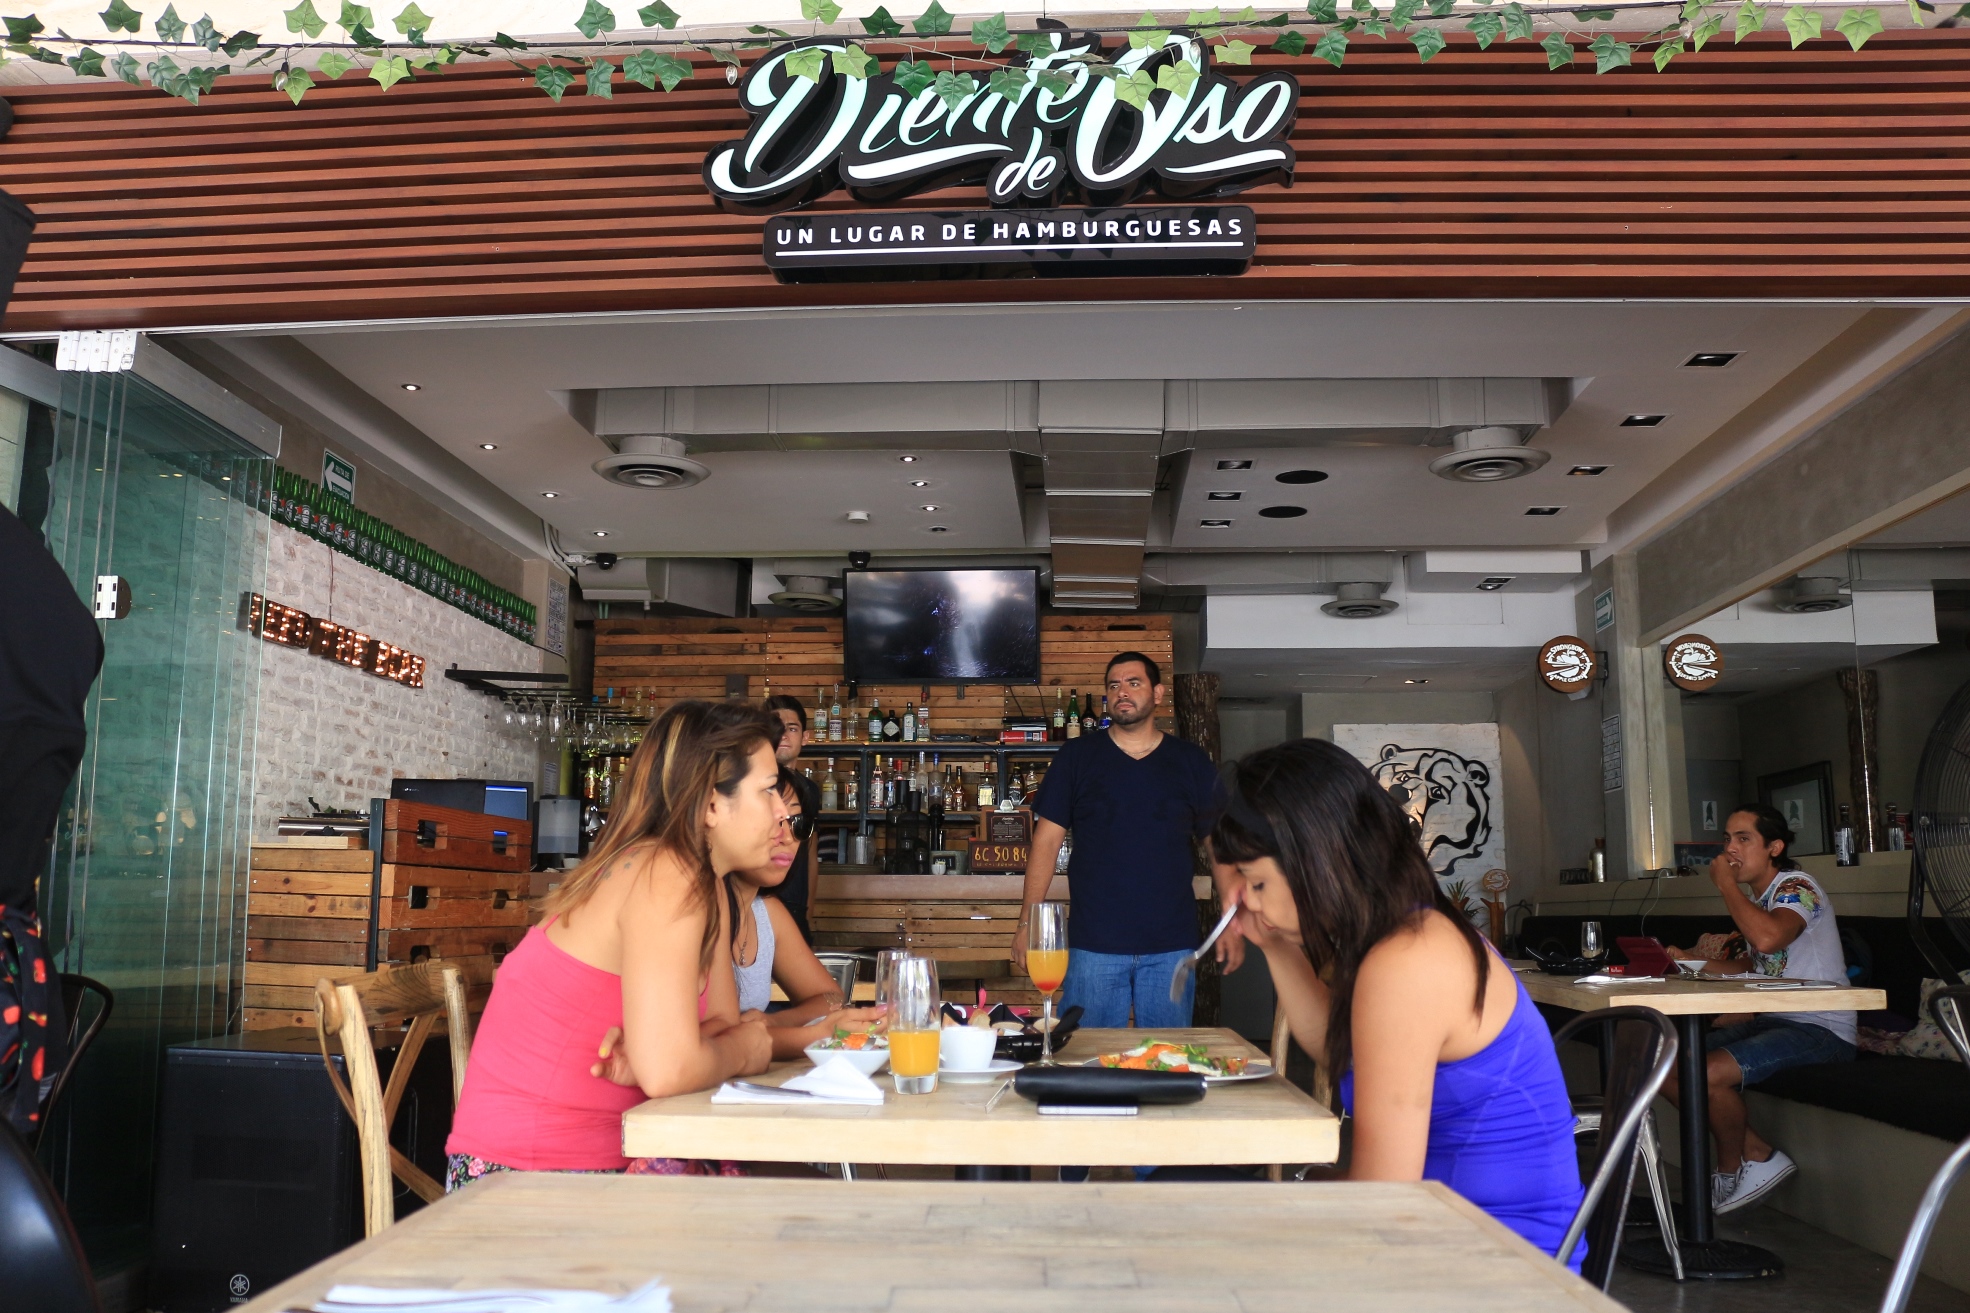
<point x="1074" y="715"/>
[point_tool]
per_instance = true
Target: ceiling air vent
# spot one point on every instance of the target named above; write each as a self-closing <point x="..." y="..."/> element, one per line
<point x="651" y="461"/>
<point x="1488" y="455"/>
<point x="1811" y="595"/>
<point x="805" y="593"/>
<point x="1359" y="602"/>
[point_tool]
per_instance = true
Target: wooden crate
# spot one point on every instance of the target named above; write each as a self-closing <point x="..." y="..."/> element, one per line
<point x="420" y="833"/>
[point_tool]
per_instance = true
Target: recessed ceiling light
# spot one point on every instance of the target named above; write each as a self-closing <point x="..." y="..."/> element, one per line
<point x="1223" y="496"/>
<point x="1283" y="512"/>
<point x="489" y="446"/>
<point x="1710" y="360"/>
<point x="412" y="387"/>
<point x="1234" y="465"/>
<point x="930" y="508"/>
<point x="1494" y="583"/>
<point x="550" y="494"/>
<point x="919" y="483"/>
<point x="1642" y="421"/>
<point x="1301" y="476"/>
<point x="1544" y="510"/>
<point x="1214" y="524"/>
<point x="940" y="528"/>
<point x="907" y="460"/>
<point x="1588" y="471"/>
<point x="1415" y="681"/>
<point x="601" y="533"/>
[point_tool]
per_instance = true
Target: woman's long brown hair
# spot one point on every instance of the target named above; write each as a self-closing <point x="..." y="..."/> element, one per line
<point x="1349" y="856"/>
<point x="691" y="750"/>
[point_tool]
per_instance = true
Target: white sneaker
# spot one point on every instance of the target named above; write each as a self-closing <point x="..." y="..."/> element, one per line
<point x="1755" y="1180"/>
<point x="1722" y="1186"/>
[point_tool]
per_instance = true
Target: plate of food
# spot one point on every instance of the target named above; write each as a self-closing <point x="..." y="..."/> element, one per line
<point x="866" y="1051"/>
<point x="1161" y="1055"/>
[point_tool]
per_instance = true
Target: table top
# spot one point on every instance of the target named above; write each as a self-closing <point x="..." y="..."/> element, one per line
<point x="1680" y="997"/>
<point x="1261" y="1121"/>
<point x="772" y="1246"/>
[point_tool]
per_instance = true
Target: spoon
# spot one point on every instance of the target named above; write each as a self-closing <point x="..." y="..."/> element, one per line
<point x="1181" y="976"/>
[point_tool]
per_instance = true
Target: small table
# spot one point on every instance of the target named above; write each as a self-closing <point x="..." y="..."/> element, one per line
<point x="762" y="1246"/>
<point x="1692" y="1003"/>
<point x="1261" y="1121"/>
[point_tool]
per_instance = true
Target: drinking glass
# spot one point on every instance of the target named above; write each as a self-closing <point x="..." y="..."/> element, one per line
<point x="916" y="1023"/>
<point x="1592" y="946"/>
<point x="886" y="962"/>
<point x="1046" y="963"/>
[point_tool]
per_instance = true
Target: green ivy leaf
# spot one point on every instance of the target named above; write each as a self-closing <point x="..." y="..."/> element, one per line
<point x="412" y="22"/>
<point x="125" y="67"/>
<point x="241" y="41"/>
<point x="824" y="11"/>
<point x="1518" y="23"/>
<point x="389" y="71"/>
<point x="1403" y="11"/>
<point x="1010" y="82"/>
<point x="353" y="16"/>
<point x="807" y="62"/>
<point x="204" y="34"/>
<point x="505" y="42"/>
<point x="657" y="14"/>
<point x="1148" y="36"/>
<point x="1290" y="43"/>
<point x="303" y="18"/>
<point x="934" y="21"/>
<point x="1324" y="11"/>
<point x="991" y="33"/>
<point x="1036" y="45"/>
<point x="640" y="67"/>
<point x="364" y="39"/>
<point x="435" y="58"/>
<point x="721" y="54"/>
<point x="1332" y="47"/>
<point x="1234" y="52"/>
<point x="955" y="88"/>
<point x="596" y="18"/>
<point x="120" y="17"/>
<point x="553" y="79"/>
<point x="1692" y="10"/>
<point x="1750" y="18"/>
<point x="913" y="75"/>
<point x="295" y="82"/>
<point x="1610" y="53"/>
<point x="1442" y="8"/>
<point x="881" y="24"/>
<point x="1709" y="27"/>
<point x="856" y="63"/>
<point x="1857" y="25"/>
<point x="22" y="30"/>
<point x="87" y="63"/>
<point x="1134" y="89"/>
<point x="1802" y="23"/>
<point x="1204" y="18"/>
<point x="333" y="64"/>
<point x="672" y="70"/>
<point x="1593" y="15"/>
<point x="1667" y="51"/>
<point x="1054" y="84"/>
<point x="601" y="76"/>
<point x="1429" y="42"/>
<point x="1558" y="53"/>
<point x="1177" y="78"/>
<point x="169" y="27"/>
<point x="1485" y="27"/>
<point x="1375" y="27"/>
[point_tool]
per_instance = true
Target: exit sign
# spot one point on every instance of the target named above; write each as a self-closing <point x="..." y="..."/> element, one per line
<point x="338" y="477"/>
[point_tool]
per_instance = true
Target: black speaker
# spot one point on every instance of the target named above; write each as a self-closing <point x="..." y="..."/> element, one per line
<point x="258" y="1174"/>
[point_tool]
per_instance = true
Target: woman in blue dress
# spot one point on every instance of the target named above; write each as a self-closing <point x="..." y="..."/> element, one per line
<point x="1444" y="1063"/>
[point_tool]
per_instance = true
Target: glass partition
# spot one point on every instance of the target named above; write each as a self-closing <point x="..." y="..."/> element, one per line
<point x="147" y="887"/>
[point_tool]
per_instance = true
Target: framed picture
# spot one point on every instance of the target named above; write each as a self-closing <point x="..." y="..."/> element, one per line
<point x="1805" y="798"/>
<point x="1446" y="778"/>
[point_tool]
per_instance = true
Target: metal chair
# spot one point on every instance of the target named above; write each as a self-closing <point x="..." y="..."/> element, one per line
<point x="1641" y="1051"/>
<point x="42" y="1266"/>
<point x="75" y="989"/>
<point x="1949" y="1007"/>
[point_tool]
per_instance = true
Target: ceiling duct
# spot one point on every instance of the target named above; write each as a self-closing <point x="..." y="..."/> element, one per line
<point x="805" y="592"/>
<point x="1100" y="444"/>
<point x="1811" y="595"/>
<point x="649" y="460"/>
<point x="1359" y="601"/>
<point x="1490" y="454"/>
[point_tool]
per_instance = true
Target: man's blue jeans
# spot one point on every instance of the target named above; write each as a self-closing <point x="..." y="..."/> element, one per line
<point x="1117" y="989"/>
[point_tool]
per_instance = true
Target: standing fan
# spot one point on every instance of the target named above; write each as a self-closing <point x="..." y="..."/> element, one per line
<point x="1941" y="864"/>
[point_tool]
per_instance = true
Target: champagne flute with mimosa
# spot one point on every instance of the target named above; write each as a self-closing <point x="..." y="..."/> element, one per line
<point x="1046" y="963"/>
<point x="915" y="1025"/>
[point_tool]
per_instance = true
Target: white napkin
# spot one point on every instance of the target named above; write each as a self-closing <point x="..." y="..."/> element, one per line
<point x="1618" y="980"/>
<point x="833" y="1081"/>
<point x="652" y="1298"/>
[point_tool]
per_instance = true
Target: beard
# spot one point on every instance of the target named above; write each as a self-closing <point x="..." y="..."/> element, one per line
<point x="1134" y="718"/>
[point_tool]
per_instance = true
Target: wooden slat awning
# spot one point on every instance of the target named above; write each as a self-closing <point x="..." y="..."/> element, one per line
<point x="1750" y="170"/>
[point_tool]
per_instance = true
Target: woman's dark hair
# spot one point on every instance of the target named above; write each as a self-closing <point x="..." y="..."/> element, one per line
<point x="1772" y="828"/>
<point x="1350" y="857"/>
<point x="791" y="795"/>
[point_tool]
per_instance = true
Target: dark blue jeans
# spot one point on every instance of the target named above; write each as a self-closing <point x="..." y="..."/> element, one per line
<point x="1118" y="989"/>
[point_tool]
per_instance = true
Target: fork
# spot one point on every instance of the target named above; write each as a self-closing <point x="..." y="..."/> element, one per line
<point x="1181" y="976"/>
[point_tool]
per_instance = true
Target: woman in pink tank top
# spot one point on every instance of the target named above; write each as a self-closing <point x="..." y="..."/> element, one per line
<point x="614" y="999"/>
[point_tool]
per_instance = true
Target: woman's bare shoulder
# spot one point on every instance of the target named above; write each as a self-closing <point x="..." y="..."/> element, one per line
<point x="1424" y="954"/>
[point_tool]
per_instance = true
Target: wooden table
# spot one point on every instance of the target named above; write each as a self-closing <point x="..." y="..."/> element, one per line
<point x="1266" y="1121"/>
<point x="774" y="1246"/>
<point x="1692" y="1003"/>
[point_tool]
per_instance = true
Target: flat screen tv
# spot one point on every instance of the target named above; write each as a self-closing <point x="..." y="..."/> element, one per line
<point x="941" y="626"/>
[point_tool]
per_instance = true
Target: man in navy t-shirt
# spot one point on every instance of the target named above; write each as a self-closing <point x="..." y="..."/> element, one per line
<point x="1135" y="798"/>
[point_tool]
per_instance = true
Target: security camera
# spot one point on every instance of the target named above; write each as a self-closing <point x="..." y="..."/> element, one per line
<point x="860" y="560"/>
<point x="606" y="560"/>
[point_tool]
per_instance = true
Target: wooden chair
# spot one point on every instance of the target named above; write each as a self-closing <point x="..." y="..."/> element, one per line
<point x="1282" y="1048"/>
<point x="386" y="999"/>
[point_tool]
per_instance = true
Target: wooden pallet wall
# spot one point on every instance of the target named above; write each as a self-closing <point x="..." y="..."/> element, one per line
<point x="670" y="660"/>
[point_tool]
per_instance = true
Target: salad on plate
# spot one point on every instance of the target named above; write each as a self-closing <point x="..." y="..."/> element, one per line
<point x="1161" y="1055"/>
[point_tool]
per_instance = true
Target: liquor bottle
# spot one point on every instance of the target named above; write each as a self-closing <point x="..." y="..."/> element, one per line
<point x="923" y="723"/>
<point x="834" y="717"/>
<point x="1844" y="851"/>
<point x="1088" y="723"/>
<point x="984" y="791"/>
<point x="892" y="729"/>
<point x="1074" y="715"/>
<point x="820" y="717"/>
<point x="1892" y="827"/>
<point x="954" y="790"/>
<point x="851" y="791"/>
<point x="875" y="784"/>
<point x="1104" y="711"/>
<point x="830" y="789"/>
<point x="909" y="722"/>
<point x="872" y="731"/>
<point x="1058" y="731"/>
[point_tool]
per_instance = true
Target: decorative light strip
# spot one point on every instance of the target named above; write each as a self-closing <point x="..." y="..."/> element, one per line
<point x="324" y="638"/>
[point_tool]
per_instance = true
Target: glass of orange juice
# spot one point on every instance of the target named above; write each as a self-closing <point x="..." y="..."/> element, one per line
<point x="1046" y="963"/>
<point x="915" y="1023"/>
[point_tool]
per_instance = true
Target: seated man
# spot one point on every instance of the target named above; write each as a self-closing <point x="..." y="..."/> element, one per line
<point x="1785" y="928"/>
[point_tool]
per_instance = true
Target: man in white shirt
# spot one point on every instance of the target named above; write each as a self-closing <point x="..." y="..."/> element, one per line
<point x="1785" y="927"/>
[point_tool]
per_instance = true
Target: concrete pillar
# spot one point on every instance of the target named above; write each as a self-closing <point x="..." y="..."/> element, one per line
<point x="1646" y="811"/>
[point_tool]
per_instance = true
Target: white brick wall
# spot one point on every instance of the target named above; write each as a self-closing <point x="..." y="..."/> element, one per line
<point x="340" y="735"/>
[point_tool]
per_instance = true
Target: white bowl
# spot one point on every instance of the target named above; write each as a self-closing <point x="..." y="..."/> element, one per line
<point x="966" y="1048"/>
<point x="867" y="1061"/>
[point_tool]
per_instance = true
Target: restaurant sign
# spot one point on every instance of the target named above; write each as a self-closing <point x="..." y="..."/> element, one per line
<point x="288" y="627"/>
<point x="1036" y="133"/>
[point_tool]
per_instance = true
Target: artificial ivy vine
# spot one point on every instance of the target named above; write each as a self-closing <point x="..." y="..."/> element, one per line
<point x="655" y="61"/>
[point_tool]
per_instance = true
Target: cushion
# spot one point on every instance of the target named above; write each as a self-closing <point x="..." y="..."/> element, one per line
<point x="1926" y="1039"/>
<point x="1916" y="1094"/>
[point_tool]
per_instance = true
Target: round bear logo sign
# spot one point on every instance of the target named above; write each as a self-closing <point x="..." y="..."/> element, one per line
<point x="1693" y="663"/>
<point x="1567" y="664"/>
